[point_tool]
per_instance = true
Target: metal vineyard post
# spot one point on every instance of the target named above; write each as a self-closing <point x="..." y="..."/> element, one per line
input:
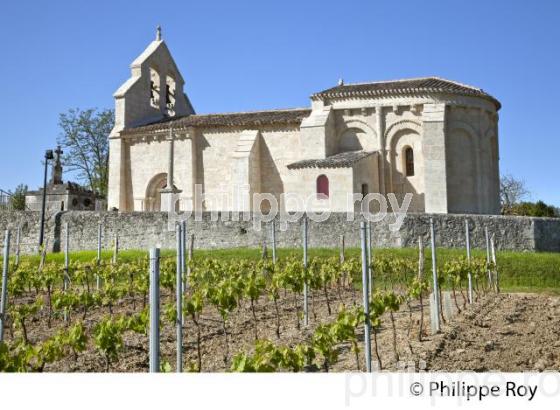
<point x="66" y="263"/>
<point x="487" y="235"/>
<point x="154" y="310"/>
<point x="18" y="240"/>
<point x="185" y="283"/>
<point x="66" y="254"/>
<point x="179" y="296"/>
<point x="97" y="277"/>
<point x="420" y="258"/>
<point x="435" y="315"/>
<point x="305" y="290"/>
<point x="496" y="276"/>
<point x="273" y="234"/>
<point x="4" y="300"/>
<point x="468" y="242"/>
<point x="369" y="252"/>
<point x="116" y="248"/>
<point x="190" y="254"/>
<point x="365" y="292"/>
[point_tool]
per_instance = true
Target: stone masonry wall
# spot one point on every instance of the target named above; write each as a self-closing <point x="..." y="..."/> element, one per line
<point x="148" y="229"/>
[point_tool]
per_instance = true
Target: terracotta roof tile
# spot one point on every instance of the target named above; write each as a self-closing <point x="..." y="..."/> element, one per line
<point x="406" y="86"/>
<point x="342" y="160"/>
<point x="240" y="119"/>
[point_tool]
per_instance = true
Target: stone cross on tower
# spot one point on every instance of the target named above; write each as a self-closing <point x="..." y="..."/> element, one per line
<point x="56" y="176"/>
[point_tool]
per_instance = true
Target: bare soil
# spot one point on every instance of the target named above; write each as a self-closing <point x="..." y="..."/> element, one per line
<point x="502" y="333"/>
<point x="507" y="332"/>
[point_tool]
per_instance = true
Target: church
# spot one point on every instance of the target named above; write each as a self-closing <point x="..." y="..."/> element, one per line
<point x="431" y="137"/>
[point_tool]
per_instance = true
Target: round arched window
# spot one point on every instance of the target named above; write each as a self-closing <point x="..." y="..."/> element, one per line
<point x="409" y="161"/>
<point x="322" y="187"/>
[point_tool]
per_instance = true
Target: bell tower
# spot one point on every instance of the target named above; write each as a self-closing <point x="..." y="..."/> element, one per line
<point x="153" y="92"/>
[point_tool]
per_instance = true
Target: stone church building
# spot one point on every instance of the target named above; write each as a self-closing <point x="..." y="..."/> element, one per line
<point x="432" y="137"/>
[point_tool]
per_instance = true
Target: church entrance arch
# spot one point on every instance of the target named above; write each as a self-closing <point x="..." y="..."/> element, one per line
<point x="152" y="202"/>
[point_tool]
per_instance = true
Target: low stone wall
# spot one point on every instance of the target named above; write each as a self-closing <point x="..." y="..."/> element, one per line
<point x="148" y="229"/>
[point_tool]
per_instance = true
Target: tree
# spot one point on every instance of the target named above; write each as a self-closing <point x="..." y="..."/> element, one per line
<point x="17" y="200"/>
<point x="538" y="208"/>
<point x="512" y="191"/>
<point x="84" y="139"/>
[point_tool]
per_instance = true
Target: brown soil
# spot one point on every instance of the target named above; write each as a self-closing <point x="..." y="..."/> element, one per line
<point x="504" y="333"/>
<point x="507" y="333"/>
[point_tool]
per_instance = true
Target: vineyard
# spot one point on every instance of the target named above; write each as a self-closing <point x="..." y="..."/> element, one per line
<point x="237" y="314"/>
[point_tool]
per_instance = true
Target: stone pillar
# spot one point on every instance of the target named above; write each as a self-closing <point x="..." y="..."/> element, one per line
<point x="380" y="130"/>
<point x="316" y="134"/>
<point x="184" y="173"/>
<point x="170" y="159"/>
<point x="115" y="195"/>
<point x="246" y="173"/>
<point x="494" y="194"/>
<point x="169" y="195"/>
<point x="482" y="150"/>
<point x="479" y="165"/>
<point x="433" y="147"/>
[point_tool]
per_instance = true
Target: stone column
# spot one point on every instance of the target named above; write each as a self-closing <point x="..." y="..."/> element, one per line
<point x="380" y="130"/>
<point x="170" y="160"/>
<point x="494" y="194"/>
<point x="480" y="165"/>
<point x="115" y="196"/>
<point x="245" y="173"/>
<point x="184" y="173"/>
<point x="433" y="147"/>
<point x="169" y="195"/>
<point x="315" y="131"/>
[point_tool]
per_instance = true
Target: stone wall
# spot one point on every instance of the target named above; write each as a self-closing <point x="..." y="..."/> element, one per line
<point x="148" y="229"/>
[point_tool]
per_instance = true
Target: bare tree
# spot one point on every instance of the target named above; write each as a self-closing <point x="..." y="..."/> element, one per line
<point x="84" y="138"/>
<point x="512" y="191"/>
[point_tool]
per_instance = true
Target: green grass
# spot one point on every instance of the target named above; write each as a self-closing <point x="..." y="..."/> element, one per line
<point x="519" y="271"/>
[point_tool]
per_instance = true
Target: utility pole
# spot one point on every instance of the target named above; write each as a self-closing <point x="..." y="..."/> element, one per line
<point x="48" y="156"/>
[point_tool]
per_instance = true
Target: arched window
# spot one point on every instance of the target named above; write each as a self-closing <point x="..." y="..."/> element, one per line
<point x="409" y="161"/>
<point x="170" y="95"/>
<point x="154" y="88"/>
<point x="322" y="187"/>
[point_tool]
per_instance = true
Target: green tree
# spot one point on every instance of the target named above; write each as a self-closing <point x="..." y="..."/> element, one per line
<point x="17" y="200"/>
<point x="84" y="138"/>
<point x="538" y="208"/>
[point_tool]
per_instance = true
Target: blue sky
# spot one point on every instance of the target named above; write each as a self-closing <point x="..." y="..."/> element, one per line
<point x="248" y="55"/>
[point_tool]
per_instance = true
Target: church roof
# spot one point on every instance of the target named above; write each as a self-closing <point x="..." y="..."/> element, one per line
<point x="403" y="87"/>
<point x="241" y="119"/>
<point x="341" y="160"/>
